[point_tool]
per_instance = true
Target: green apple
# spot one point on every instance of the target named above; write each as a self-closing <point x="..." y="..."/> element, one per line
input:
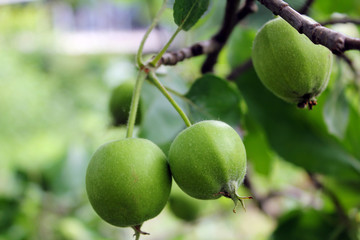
<point x="289" y="64"/>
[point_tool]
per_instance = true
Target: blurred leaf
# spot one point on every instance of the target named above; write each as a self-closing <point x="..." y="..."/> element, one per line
<point x="8" y="211"/>
<point x="72" y="229"/>
<point x="191" y="10"/>
<point x="214" y="98"/>
<point x="325" y="9"/>
<point x="258" y="150"/>
<point x="292" y="136"/>
<point x="162" y="121"/>
<point x="183" y="206"/>
<point x="336" y="111"/>
<point x="309" y="224"/>
<point x="239" y="46"/>
<point x="260" y="17"/>
<point x="352" y="136"/>
<point x="348" y="194"/>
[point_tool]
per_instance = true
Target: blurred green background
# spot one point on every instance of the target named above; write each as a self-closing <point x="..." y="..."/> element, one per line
<point x="59" y="61"/>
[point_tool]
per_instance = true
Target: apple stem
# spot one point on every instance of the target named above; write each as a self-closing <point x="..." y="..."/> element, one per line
<point x="138" y="232"/>
<point x="307" y="102"/>
<point x="135" y="102"/>
<point x="236" y="198"/>
<point x="157" y="83"/>
<point x="152" y="26"/>
<point x="241" y="200"/>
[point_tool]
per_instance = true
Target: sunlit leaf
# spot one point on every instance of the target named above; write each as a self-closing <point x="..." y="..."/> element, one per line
<point x="214" y="98"/>
<point x="336" y="111"/>
<point x="188" y="12"/>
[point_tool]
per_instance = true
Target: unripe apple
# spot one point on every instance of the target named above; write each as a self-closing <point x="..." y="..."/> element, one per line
<point x="289" y="64"/>
<point x="128" y="181"/>
<point x="120" y="102"/>
<point x="183" y="206"/>
<point x="208" y="160"/>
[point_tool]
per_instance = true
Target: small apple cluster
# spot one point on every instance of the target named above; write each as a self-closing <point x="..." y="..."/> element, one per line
<point x="128" y="181"/>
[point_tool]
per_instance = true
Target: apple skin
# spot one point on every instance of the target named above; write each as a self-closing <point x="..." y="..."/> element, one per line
<point x="289" y="64"/>
<point x="120" y="102"/>
<point x="183" y="206"/>
<point x="208" y="160"/>
<point x="128" y="181"/>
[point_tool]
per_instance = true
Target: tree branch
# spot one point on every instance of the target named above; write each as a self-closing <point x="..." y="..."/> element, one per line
<point x="340" y="20"/>
<point x="339" y="208"/>
<point x="336" y="42"/>
<point x="204" y="47"/>
<point x="231" y="19"/>
<point x="223" y="34"/>
<point x="349" y="62"/>
<point x="213" y="46"/>
<point x="248" y="8"/>
<point x="239" y="70"/>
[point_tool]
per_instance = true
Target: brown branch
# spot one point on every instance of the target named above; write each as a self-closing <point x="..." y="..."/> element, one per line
<point x="332" y="196"/>
<point x="349" y="63"/>
<point x="172" y="58"/>
<point x="258" y="200"/>
<point x="231" y="19"/>
<point x="240" y="70"/>
<point x="248" y="8"/>
<point x="352" y="67"/>
<point x="336" y="42"/>
<point x="228" y="22"/>
<point x="213" y="46"/>
<point x="340" y="20"/>
<point x="305" y="8"/>
<point x="222" y="35"/>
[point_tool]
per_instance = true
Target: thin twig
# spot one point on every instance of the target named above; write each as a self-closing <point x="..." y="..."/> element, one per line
<point x="305" y="8"/>
<point x="230" y="20"/>
<point x="340" y="20"/>
<point x="248" y="8"/>
<point x="213" y="46"/>
<point x="349" y="62"/>
<point x="336" y="42"/>
<point x="172" y="58"/>
<point x="259" y="200"/>
<point x="240" y="70"/>
<point x="223" y="34"/>
<point x="339" y="208"/>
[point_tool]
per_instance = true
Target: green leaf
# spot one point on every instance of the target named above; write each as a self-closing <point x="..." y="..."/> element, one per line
<point x="351" y="140"/>
<point x="309" y="224"/>
<point x="293" y="137"/>
<point x="325" y="9"/>
<point x="240" y="44"/>
<point x="254" y="141"/>
<point x="336" y="111"/>
<point x="162" y="121"/>
<point x="188" y="12"/>
<point x="214" y="98"/>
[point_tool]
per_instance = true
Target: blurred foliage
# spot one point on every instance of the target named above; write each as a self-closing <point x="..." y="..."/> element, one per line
<point x="54" y="114"/>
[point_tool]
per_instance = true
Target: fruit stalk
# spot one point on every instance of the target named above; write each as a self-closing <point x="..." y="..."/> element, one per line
<point x="148" y="31"/>
<point x="164" y="49"/>
<point x="231" y="192"/>
<point x="163" y="90"/>
<point x="134" y="103"/>
<point x="167" y="45"/>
